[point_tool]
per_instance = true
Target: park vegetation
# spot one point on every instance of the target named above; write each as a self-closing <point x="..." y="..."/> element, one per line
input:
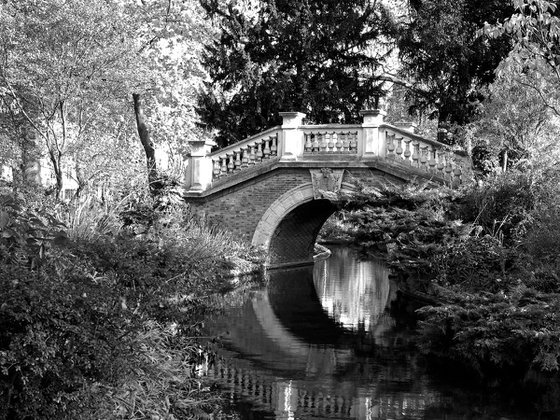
<point x="100" y="305"/>
<point x="103" y="290"/>
<point x="487" y="252"/>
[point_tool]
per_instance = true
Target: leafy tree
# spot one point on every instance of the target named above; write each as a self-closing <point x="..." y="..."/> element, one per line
<point x="535" y="28"/>
<point x="515" y="127"/>
<point x="69" y="72"/>
<point x="314" y="56"/>
<point x="169" y="47"/>
<point x="61" y="63"/>
<point x="450" y="65"/>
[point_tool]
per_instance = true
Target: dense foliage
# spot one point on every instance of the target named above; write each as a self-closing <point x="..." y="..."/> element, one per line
<point x="95" y="317"/>
<point x="448" y="63"/>
<point x="317" y="57"/>
<point x="68" y="72"/>
<point x="488" y="253"/>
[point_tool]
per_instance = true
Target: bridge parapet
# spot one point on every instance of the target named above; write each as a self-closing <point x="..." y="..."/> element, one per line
<point x="294" y="142"/>
<point x="249" y="152"/>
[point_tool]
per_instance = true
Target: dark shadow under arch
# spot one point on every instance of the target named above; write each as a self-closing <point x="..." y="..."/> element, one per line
<point x="294" y="238"/>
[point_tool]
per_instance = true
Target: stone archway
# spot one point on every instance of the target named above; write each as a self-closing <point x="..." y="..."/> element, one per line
<point x="289" y="227"/>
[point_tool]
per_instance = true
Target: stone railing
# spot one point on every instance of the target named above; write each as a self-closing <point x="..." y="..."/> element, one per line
<point x="247" y="153"/>
<point x="330" y="139"/>
<point x="427" y="155"/>
<point x="294" y="142"/>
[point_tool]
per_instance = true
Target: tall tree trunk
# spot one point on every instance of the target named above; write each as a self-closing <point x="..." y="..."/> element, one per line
<point x="57" y="167"/>
<point x="144" y="134"/>
<point x="80" y="179"/>
<point x="30" y="159"/>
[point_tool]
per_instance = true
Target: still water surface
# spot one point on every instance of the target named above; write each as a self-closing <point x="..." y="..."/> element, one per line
<point x="333" y="341"/>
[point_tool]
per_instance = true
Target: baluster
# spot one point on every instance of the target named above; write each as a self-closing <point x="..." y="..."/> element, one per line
<point x="330" y="143"/>
<point x="274" y="146"/>
<point x="252" y="154"/>
<point x="237" y="162"/>
<point x="244" y="157"/>
<point x="260" y="154"/>
<point x="432" y="161"/>
<point x="216" y="166"/>
<point x="345" y="142"/>
<point x="338" y="143"/>
<point x="322" y="142"/>
<point x="457" y="172"/>
<point x="266" y="150"/>
<point x="407" y="152"/>
<point x="449" y="167"/>
<point x="353" y="141"/>
<point x="399" y="150"/>
<point x="415" y="153"/>
<point x="230" y="165"/>
<point x="308" y="144"/>
<point x="441" y="162"/>
<point x="224" y="168"/>
<point x="389" y="141"/>
<point x="424" y="158"/>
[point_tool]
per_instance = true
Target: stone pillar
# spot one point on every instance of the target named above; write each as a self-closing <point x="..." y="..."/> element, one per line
<point x="372" y="143"/>
<point x="292" y="143"/>
<point x="199" y="167"/>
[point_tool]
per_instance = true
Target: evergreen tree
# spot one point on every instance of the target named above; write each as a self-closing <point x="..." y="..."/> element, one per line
<point x="315" y="56"/>
<point x="442" y="51"/>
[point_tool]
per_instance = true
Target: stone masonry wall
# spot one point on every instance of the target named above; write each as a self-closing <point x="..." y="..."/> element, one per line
<point x="240" y="207"/>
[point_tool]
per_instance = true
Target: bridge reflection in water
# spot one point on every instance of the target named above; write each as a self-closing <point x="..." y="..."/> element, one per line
<point x="322" y="341"/>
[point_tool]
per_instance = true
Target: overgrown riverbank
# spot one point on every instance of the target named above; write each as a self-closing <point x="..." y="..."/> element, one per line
<point x="99" y="308"/>
<point x="490" y="253"/>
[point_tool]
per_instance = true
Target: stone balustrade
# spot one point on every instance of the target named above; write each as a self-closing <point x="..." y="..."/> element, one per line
<point x="295" y="142"/>
<point x="330" y="139"/>
<point x="245" y="154"/>
<point x="427" y="155"/>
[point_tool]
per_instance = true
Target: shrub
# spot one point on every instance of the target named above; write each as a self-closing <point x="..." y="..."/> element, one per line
<point x="495" y="332"/>
<point x="500" y="205"/>
<point x="476" y="263"/>
<point x="86" y="310"/>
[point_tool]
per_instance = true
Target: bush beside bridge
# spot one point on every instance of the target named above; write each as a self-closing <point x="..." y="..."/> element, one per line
<point x="95" y="316"/>
<point x="489" y="252"/>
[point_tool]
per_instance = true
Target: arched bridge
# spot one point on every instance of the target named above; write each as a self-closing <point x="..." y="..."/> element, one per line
<point x="269" y="189"/>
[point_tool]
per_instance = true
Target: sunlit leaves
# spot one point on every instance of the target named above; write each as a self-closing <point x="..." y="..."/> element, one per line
<point x="535" y="27"/>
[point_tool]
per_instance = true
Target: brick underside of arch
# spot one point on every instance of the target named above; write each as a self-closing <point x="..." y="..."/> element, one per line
<point x="289" y="227"/>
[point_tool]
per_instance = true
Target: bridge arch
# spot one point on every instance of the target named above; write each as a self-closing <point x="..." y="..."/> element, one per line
<point x="269" y="179"/>
<point x="289" y="227"/>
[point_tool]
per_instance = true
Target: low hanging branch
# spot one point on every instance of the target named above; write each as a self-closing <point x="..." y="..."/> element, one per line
<point x="144" y="134"/>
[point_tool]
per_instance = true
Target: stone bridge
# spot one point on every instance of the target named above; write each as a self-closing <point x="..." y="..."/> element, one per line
<point x="270" y="189"/>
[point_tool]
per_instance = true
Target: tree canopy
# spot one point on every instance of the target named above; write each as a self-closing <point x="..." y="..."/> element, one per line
<point x="535" y="29"/>
<point x="448" y="62"/>
<point x="68" y="70"/>
<point x="315" y="56"/>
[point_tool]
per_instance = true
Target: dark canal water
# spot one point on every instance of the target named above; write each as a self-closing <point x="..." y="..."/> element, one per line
<point x="336" y="341"/>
